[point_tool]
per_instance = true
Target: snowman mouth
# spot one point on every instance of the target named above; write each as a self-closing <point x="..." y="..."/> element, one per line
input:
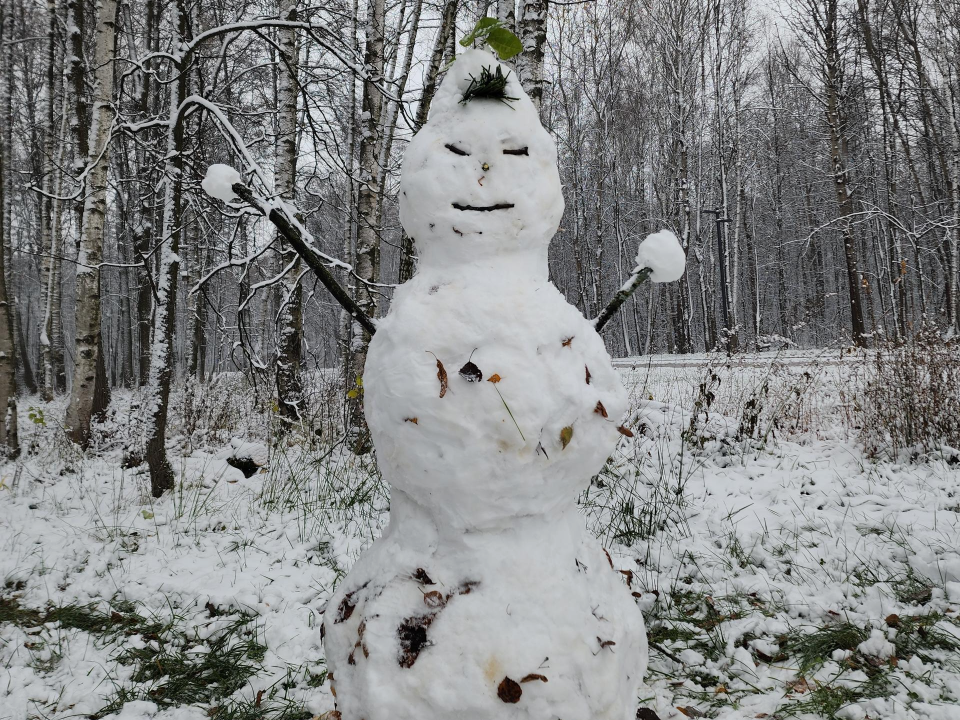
<point x="483" y="208"/>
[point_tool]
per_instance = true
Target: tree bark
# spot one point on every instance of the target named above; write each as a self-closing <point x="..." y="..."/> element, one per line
<point x="165" y="315"/>
<point x="290" y="315"/>
<point x="8" y="361"/>
<point x="368" y="210"/>
<point x="88" y="363"/>
<point x="533" y="35"/>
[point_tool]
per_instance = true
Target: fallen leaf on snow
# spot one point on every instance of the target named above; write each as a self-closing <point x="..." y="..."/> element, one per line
<point x="533" y="676"/>
<point x="441" y="375"/>
<point x="509" y="690"/>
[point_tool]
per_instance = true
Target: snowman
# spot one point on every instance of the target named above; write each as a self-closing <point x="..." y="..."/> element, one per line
<point x="491" y="402"/>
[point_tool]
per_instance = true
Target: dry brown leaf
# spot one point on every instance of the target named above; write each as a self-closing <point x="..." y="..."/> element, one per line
<point x="624" y="430"/>
<point x="690" y="711"/>
<point x="588" y="375"/>
<point x="509" y="691"/>
<point x="494" y="379"/>
<point x="799" y="686"/>
<point x="533" y="676"/>
<point x="434" y="599"/>
<point x="441" y="375"/>
<point x="647" y="714"/>
<point x="471" y="373"/>
<point x="600" y="410"/>
<point x="421" y="577"/>
<point x="567" y="341"/>
<point x="413" y="420"/>
<point x="566" y="435"/>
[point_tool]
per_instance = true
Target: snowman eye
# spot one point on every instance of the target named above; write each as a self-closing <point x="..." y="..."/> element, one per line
<point x="518" y="151"/>
<point x="455" y="150"/>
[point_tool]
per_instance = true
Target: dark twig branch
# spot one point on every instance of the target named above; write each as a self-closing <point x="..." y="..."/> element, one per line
<point x="292" y="235"/>
<point x="640" y="276"/>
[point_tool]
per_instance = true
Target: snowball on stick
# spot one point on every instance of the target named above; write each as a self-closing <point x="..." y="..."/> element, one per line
<point x="663" y="255"/>
<point x="660" y="258"/>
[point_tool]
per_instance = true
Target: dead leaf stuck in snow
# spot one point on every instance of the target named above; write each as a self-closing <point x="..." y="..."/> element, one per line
<point x="441" y="375"/>
<point x="509" y="690"/>
<point x="533" y="676"/>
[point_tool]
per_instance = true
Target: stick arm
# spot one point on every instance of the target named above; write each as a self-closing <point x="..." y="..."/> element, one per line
<point x="292" y="235"/>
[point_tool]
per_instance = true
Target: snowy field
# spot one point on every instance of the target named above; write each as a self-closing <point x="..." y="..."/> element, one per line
<point x="782" y="572"/>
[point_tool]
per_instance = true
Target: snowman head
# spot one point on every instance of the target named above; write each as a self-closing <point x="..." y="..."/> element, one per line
<point x="480" y="178"/>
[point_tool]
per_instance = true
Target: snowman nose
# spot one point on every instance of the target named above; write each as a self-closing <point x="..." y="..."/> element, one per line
<point x="485" y="167"/>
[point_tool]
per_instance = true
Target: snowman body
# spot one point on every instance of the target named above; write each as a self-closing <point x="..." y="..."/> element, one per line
<point x="491" y="402"/>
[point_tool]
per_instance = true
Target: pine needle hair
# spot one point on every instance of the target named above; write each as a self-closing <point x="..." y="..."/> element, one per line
<point x="489" y="86"/>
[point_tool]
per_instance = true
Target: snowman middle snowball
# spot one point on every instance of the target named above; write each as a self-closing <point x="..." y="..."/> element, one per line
<point x="491" y="402"/>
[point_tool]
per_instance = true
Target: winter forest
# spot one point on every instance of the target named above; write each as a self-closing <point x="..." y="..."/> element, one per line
<point x="183" y="350"/>
<point x="807" y="155"/>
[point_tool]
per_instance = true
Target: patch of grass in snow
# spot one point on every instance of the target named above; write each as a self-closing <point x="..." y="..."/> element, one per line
<point x="88" y="618"/>
<point x="918" y="635"/>
<point x="328" y="491"/>
<point x="811" y="649"/>
<point x="171" y="667"/>
<point x="826" y="699"/>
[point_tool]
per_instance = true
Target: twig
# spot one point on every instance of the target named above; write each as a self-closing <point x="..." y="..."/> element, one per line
<point x="640" y="276"/>
<point x="293" y="236"/>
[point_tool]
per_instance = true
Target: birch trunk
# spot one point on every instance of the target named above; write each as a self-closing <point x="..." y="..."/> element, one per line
<point x="8" y="360"/>
<point x="533" y="35"/>
<point x="88" y="363"/>
<point x="290" y="314"/>
<point x="165" y="315"/>
<point x="368" y="209"/>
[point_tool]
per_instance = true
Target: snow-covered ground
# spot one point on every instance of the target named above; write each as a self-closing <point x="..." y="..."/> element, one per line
<point x="781" y="572"/>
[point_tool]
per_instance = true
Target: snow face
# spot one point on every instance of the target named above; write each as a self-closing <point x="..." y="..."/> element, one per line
<point x="491" y="402"/>
<point x="469" y="159"/>
<point x="219" y="181"/>
<point x="662" y="253"/>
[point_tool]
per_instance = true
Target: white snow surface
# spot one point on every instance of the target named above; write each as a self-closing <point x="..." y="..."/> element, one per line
<point x="799" y="535"/>
<point x="662" y="253"/>
<point x="485" y="474"/>
<point x="219" y="180"/>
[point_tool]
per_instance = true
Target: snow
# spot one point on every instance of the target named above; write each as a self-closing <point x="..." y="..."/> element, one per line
<point x="877" y="645"/>
<point x="789" y="536"/>
<point x="486" y="574"/>
<point x="663" y="254"/>
<point x="219" y="181"/>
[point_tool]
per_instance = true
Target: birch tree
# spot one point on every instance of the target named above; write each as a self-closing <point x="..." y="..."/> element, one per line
<point x="88" y="341"/>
